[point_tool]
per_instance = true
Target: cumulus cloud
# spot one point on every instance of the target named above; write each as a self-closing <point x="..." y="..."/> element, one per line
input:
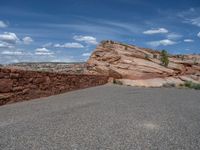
<point x="198" y="34"/>
<point x="87" y="39"/>
<point x="86" y="54"/>
<point x="43" y="51"/>
<point x="3" y="24"/>
<point x="188" y="40"/>
<point x="27" y="40"/>
<point x="156" y="31"/>
<point x="5" y="45"/>
<point x="9" y="37"/>
<point x="164" y="42"/>
<point x="69" y="45"/>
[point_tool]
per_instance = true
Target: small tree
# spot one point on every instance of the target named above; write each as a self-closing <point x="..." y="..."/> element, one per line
<point x="164" y="58"/>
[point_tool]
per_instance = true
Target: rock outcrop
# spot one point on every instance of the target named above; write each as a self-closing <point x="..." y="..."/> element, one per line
<point x="121" y="61"/>
<point x="20" y="85"/>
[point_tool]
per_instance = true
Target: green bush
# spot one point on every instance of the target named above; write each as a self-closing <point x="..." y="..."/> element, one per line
<point x="164" y="58"/>
<point x="117" y="82"/>
<point x="190" y="84"/>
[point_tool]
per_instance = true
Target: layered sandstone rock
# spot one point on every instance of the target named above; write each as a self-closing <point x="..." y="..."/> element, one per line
<point x="19" y="85"/>
<point x="122" y="61"/>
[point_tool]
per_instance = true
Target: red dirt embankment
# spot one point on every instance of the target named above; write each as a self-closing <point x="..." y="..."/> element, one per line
<point x="19" y="85"/>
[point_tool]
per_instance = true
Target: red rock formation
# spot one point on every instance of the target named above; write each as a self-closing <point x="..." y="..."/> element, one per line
<point x="123" y="61"/>
<point x="19" y="85"/>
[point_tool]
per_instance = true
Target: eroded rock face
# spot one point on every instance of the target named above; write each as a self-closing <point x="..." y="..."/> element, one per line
<point x="122" y="61"/>
<point x="20" y="85"/>
<point x="6" y="85"/>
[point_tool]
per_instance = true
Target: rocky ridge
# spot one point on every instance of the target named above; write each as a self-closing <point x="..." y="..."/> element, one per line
<point x="137" y="66"/>
<point x="59" y="67"/>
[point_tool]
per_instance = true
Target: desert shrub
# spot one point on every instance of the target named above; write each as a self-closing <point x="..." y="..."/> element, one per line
<point x="155" y="56"/>
<point x="126" y="47"/>
<point x="195" y="61"/>
<point x="182" y="58"/>
<point x="190" y="84"/>
<point x="164" y="58"/>
<point x="169" y="85"/>
<point x="103" y="43"/>
<point x="112" y="42"/>
<point x="147" y="56"/>
<point x="117" y="82"/>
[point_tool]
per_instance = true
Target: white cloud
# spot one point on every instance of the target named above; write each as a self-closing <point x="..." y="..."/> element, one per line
<point x="69" y="45"/>
<point x="86" y="39"/>
<point x="12" y="53"/>
<point x="3" y="24"/>
<point x="156" y="31"/>
<point x="188" y="12"/>
<point x="188" y="40"/>
<point x="27" y="40"/>
<point x="191" y="16"/>
<point x="5" y="45"/>
<point x="164" y="42"/>
<point x="65" y="59"/>
<point x="194" y="21"/>
<point x="43" y="51"/>
<point x="86" y="54"/>
<point x="131" y="28"/>
<point x="48" y="44"/>
<point x="9" y="37"/>
<point x="174" y="36"/>
<point x="198" y="34"/>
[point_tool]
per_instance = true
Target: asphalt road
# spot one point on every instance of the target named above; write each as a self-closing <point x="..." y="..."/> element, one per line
<point x="103" y="118"/>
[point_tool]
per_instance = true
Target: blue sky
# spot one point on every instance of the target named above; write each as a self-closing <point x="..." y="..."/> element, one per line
<point x="69" y="30"/>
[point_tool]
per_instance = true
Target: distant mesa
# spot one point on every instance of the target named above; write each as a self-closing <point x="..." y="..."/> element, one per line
<point x="60" y="67"/>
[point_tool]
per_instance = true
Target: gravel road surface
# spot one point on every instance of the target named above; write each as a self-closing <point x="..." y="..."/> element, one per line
<point x="108" y="117"/>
